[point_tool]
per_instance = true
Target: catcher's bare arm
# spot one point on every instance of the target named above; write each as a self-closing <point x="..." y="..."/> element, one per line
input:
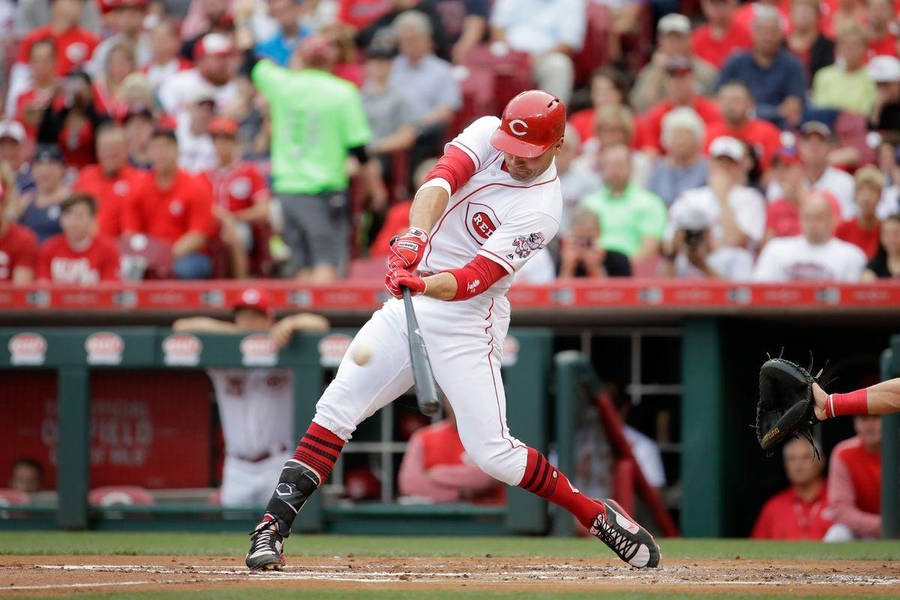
<point x="880" y="399"/>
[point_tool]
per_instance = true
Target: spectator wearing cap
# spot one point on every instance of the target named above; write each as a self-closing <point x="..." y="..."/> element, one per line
<point x="173" y="206"/>
<point x="712" y="230"/>
<point x="427" y="81"/>
<point x="846" y="85"/>
<point x="720" y="36"/>
<point x="884" y="34"/>
<point x="783" y="214"/>
<point x="683" y="167"/>
<point x="240" y="195"/>
<point x="288" y="15"/>
<point x="79" y="255"/>
<point x="309" y="164"/>
<point x="18" y="244"/>
<point x="73" y="44"/>
<point x="680" y="91"/>
<point x="885" y="72"/>
<point x="215" y="67"/>
<point x="40" y="207"/>
<point x="673" y="37"/>
<point x="550" y="31"/>
<point x="806" y="41"/>
<point x="814" y="144"/>
<point x="111" y="181"/>
<point x="775" y="77"/>
<point x="12" y="154"/>
<point x="816" y="255"/>
<point x="255" y="449"/>
<point x="633" y="218"/>
<point x="196" y="153"/>
<point x="164" y="60"/>
<point x="138" y="126"/>
<point x="127" y="19"/>
<point x="71" y="119"/>
<point x="886" y="264"/>
<point x="738" y="121"/>
<point x="30" y="104"/>
<point x="864" y="230"/>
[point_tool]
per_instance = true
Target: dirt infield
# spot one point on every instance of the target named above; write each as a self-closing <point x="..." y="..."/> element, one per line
<point x="23" y="576"/>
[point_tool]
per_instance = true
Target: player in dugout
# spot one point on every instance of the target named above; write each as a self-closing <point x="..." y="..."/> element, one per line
<point x="492" y="202"/>
<point x="255" y="405"/>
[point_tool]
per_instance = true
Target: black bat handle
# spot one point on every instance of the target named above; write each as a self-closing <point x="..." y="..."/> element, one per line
<point x="426" y="388"/>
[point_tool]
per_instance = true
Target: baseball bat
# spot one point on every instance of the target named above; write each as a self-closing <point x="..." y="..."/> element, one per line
<point x="426" y="388"/>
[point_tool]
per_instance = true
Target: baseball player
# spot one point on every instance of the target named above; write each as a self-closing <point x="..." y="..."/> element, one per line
<point x="256" y="406"/>
<point x="879" y="399"/>
<point x="490" y="204"/>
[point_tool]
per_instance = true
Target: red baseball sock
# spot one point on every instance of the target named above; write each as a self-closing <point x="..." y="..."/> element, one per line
<point x="548" y="482"/>
<point x="318" y="450"/>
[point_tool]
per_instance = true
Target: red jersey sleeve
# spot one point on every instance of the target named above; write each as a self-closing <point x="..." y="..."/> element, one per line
<point x="455" y="166"/>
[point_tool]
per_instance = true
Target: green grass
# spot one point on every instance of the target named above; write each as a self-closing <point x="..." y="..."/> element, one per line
<point x="289" y="594"/>
<point x="168" y="544"/>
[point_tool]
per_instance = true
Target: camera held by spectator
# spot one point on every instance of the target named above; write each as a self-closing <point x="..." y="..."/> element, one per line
<point x="691" y="246"/>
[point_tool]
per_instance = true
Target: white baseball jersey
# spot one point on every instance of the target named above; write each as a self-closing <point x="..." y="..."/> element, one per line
<point x="795" y="259"/>
<point x="256" y="408"/>
<point x="494" y="215"/>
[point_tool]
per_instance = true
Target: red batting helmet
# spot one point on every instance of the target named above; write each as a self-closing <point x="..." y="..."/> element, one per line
<point x="532" y="122"/>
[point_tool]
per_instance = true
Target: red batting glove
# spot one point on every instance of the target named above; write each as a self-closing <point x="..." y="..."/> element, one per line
<point x="407" y="249"/>
<point x="397" y="279"/>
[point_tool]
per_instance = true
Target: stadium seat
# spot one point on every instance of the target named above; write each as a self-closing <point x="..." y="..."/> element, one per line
<point x="120" y="495"/>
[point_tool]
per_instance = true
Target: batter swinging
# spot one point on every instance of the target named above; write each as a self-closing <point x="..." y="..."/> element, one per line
<point x="489" y="205"/>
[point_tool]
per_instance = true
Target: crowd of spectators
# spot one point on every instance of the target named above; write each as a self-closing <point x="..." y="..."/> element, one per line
<point x="279" y="138"/>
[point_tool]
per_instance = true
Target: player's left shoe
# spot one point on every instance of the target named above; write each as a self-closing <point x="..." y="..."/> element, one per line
<point x="266" y="548"/>
<point x="631" y="542"/>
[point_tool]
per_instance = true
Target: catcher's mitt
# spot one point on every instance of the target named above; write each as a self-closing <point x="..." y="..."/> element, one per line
<point x="786" y="406"/>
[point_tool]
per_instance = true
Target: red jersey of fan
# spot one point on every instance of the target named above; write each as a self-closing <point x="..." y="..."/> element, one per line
<point x="783" y="219"/>
<point x="185" y="205"/>
<point x="886" y="45"/>
<point x="359" y="13"/>
<point x="716" y="51"/>
<point x="110" y="193"/>
<point x="652" y="120"/>
<point x="237" y="187"/>
<point x="745" y="14"/>
<point x="98" y="260"/>
<point x="866" y="239"/>
<point x="864" y="468"/>
<point x="762" y="136"/>
<point x="788" y="517"/>
<point x="73" y="47"/>
<point x="18" y="248"/>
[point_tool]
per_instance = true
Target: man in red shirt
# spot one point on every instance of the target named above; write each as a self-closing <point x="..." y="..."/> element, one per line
<point x="173" y="206"/>
<point x="74" y="45"/>
<point x="736" y="106"/>
<point x="854" y="483"/>
<point x="801" y="511"/>
<point x="783" y="215"/>
<point x="111" y="181"/>
<point x="240" y="194"/>
<point x="18" y="244"/>
<point x="720" y="36"/>
<point x="864" y="230"/>
<point x="79" y="254"/>
<point x="680" y="91"/>
<point x="883" y="29"/>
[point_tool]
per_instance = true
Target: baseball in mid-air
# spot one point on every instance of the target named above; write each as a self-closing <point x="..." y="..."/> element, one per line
<point x="361" y="354"/>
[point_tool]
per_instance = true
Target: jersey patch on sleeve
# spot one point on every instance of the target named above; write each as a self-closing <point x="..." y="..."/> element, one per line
<point x="524" y="245"/>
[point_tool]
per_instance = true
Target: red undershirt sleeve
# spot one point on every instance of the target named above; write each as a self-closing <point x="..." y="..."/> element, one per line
<point x="476" y="277"/>
<point x="455" y="167"/>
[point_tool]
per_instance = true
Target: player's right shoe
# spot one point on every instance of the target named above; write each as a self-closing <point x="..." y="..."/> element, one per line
<point x="631" y="542"/>
<point x="266" y="548"/>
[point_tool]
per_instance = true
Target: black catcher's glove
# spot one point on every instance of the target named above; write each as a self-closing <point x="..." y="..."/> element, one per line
<point x="786" y="405"/>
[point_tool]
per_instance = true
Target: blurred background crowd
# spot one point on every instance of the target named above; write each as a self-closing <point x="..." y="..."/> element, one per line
<point x="283" y="138"/>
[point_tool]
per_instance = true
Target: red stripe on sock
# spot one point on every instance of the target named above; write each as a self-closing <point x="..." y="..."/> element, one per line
<point x="319" y="449"/>
<point x="555" y="487"/>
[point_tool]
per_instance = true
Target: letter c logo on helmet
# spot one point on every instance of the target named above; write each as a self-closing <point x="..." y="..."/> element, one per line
<point x="518" y="122"/>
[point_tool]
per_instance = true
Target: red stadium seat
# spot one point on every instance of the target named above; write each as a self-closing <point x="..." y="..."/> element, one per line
<point x="120" y="495"/>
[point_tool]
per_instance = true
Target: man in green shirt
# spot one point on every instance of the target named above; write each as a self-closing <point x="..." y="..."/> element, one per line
<point x="317" y="122"/>
<point x="633" y="218"/>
